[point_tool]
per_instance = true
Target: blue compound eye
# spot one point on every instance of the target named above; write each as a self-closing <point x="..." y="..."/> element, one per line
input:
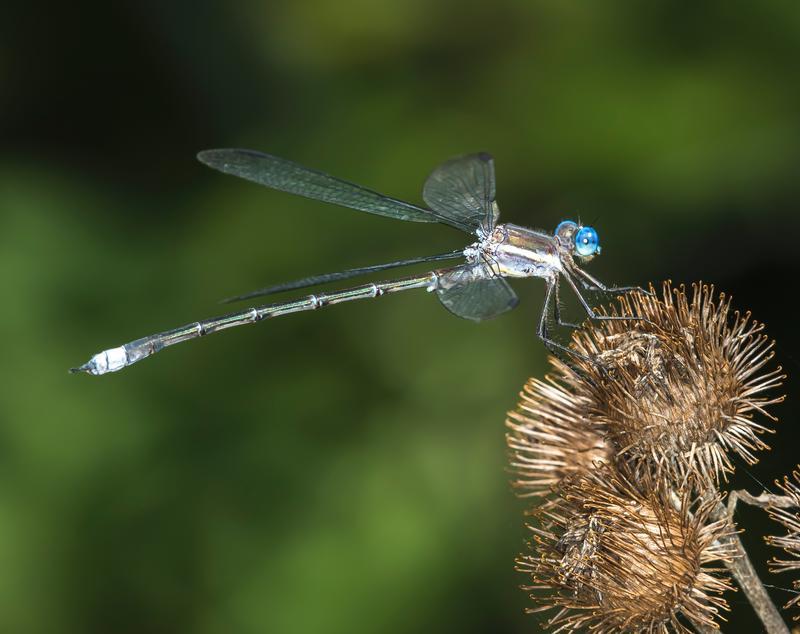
<point x="586" y="242"/>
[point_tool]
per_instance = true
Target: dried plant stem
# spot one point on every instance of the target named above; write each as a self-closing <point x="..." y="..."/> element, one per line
<point x="746" y="576"/>
<point x="763" y="501"/>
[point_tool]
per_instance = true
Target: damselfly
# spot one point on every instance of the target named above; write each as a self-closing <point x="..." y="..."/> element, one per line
<point x="459" y="193"/>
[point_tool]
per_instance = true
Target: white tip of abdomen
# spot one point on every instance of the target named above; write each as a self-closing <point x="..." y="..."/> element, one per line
<point x="106" y="361"/>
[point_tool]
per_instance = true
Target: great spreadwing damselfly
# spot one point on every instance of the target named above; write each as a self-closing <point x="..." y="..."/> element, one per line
<point x="459" y="193"/>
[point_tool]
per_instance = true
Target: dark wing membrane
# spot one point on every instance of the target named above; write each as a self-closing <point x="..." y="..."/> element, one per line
<point x="290" y="177"/>
<point x="463" y="190"/>
<point x="473" y="293"/>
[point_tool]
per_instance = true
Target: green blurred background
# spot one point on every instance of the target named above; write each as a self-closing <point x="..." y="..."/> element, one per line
<point x="340" y="471"/>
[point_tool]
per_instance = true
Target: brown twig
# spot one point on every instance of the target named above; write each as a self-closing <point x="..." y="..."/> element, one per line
<point x="746" y="576"/>
<point x="763" y="501"/>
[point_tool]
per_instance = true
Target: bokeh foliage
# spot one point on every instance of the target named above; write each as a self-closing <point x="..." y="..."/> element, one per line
<point x="340" y="471"/>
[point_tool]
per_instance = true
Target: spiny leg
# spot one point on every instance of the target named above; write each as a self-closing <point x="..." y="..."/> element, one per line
<point x="591" y="283"/>
<point x="554" y="346"/>
<point x="557" y="309"/>
<point x="590" y="311"/>
<point x="550" y="344"/>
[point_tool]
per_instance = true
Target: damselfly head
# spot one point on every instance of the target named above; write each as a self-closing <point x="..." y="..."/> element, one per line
<point x="578" y="239"/>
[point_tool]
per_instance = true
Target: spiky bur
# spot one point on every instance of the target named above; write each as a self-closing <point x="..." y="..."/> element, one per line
<point x="660" y="409"/>
<point x="677" y="391"/>
<point x="790" y="542"/>
<point x="552" y="435"/>
<point x="612" y="559"/>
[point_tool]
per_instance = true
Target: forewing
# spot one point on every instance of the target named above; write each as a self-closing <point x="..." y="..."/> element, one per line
<point x="473" y="293"/>
<point x="463" y="190"/>
<point x="290" y="177"/>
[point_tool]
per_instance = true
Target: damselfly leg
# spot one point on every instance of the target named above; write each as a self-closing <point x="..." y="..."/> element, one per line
<point x="542" y="331"/>
<point x="592" y="314"/>
<point x="557" y="309"/>
<point x="591" y="283"/>
<point x="552" y="302"/>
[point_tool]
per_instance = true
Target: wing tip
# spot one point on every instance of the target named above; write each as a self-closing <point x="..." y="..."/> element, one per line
<point x="206" y="156"/>
<point x="213" y="156"/>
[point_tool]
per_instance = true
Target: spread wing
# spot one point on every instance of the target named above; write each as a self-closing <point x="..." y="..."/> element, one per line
<point x="463" y="190"/>
<point x="290" y="177"/>
<point x="474" y="292"/>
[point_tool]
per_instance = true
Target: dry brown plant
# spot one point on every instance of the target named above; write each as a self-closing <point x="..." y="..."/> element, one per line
<point x="624" y="448"/>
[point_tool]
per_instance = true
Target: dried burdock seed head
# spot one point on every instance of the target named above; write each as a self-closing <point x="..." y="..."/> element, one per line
<point x="551" y="436"/>
<point x="677" y="389"/>
<point x="790" y="542"/>
<point x="610" y="559"/>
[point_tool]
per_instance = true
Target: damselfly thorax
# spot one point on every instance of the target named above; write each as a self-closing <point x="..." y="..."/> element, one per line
<point x="516" y="251"/>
